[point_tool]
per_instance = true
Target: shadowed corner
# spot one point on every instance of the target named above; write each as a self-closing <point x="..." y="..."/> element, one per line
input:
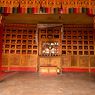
<point x="6" y="74"/>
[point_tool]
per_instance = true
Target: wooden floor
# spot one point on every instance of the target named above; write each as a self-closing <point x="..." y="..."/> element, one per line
<point x="26" y="83"/>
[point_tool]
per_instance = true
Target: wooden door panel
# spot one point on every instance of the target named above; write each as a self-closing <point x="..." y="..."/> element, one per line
<point x="29" y="60"/>
<point x="66" y="61"/>
<point x="15" y="60"/>
<point x="74" y="61"/>
<point x="92" y="61"/>
<point x="44" y="61"/>
<point x="84" y="61"/>
<point x="55" y="61"/>
<point x="5" y="59"/>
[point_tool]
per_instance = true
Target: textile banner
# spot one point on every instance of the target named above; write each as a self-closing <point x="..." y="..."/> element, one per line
<point x="90" y="11"/>
<point x="56" y="10"/>
<point x="84" y="10"/>
<point x="1" y="9"/>
<point x="42" y="10"/>
<point x="23" y="10"/>
<point x="94" y="11"/>
<point x="75" y="10"/>
<point x="15" y="10"/>
<point x="47" y="10"/>
<point x="79" y="10"/>
<point x="71" y="10"/>
<point x="34" y="10"/>
<point x="64" y="10"/>
<point x="8" y="10"/>
<point x="29" y="10"/>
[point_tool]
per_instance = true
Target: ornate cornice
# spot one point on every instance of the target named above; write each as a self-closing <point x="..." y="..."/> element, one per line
<point x="47" y="6"/>
<point x="48" y="3"/>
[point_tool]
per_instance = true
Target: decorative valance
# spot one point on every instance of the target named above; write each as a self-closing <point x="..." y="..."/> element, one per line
<point x="47" y="6"/>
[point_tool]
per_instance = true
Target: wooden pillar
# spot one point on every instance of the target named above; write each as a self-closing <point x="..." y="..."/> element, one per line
<point x="1" y="30"/>
<point x="94" y="22"/>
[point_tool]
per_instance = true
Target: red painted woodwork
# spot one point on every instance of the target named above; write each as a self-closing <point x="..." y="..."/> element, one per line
<point x="1" y="30"/>
<point x="32" y="69"/>
<point x="92" y="70"/>
<point x="77" y="70"/>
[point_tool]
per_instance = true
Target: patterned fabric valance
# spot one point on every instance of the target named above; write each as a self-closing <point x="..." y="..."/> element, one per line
<point x="45" y="10"/>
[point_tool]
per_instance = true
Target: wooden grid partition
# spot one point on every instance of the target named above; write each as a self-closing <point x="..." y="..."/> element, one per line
<point x="24" y="46"/>
<point x="20" y="46"/>
<point x="50" y="41"/>
<point x="78" y="46"/>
